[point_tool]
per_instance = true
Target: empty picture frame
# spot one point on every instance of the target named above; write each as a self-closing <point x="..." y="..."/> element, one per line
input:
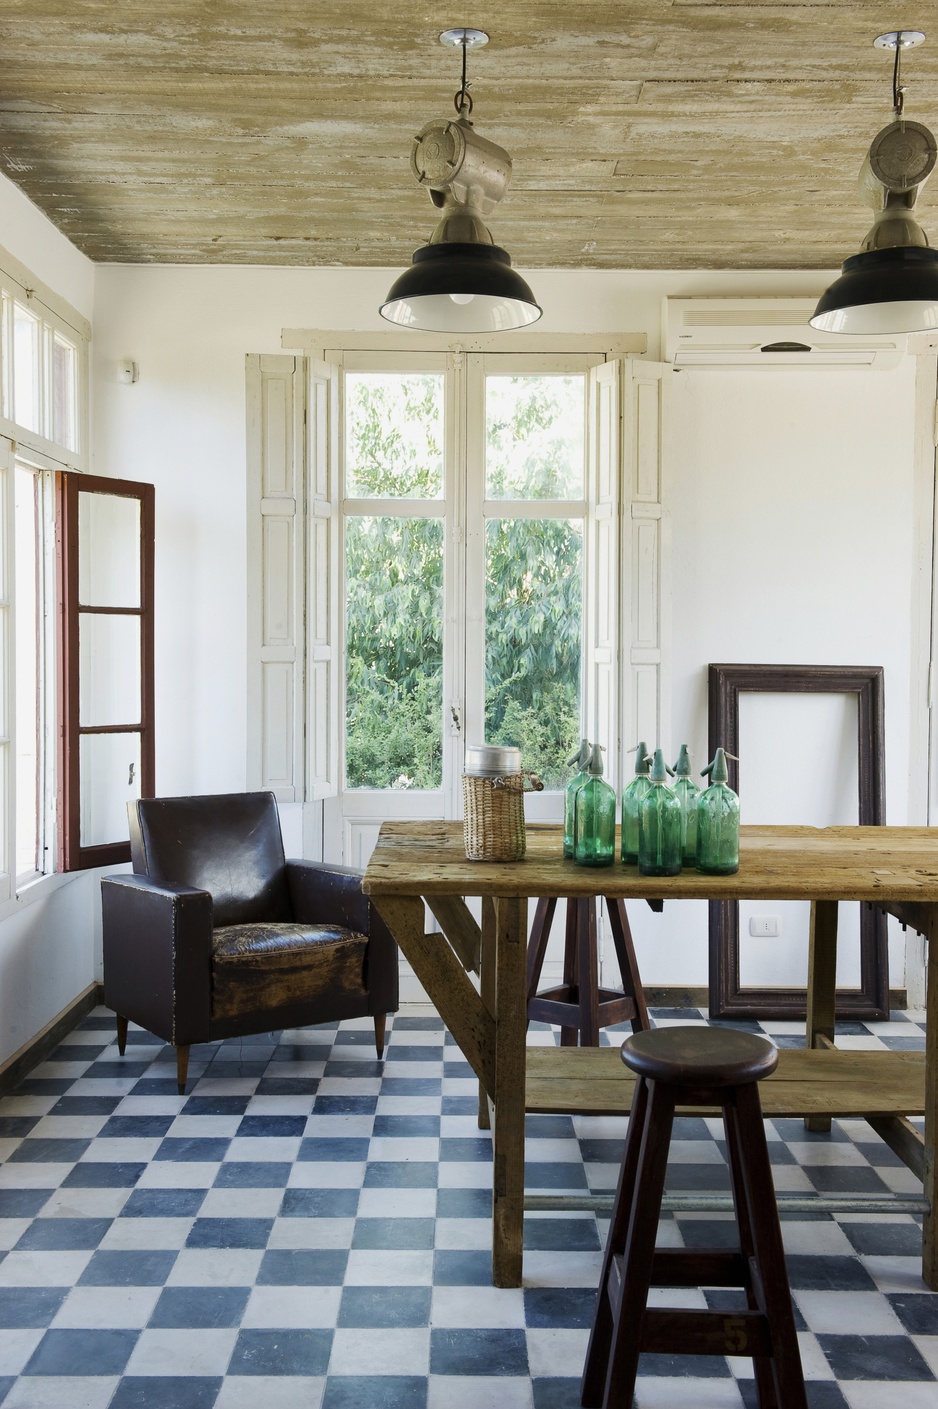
<point x="727" y="998"/>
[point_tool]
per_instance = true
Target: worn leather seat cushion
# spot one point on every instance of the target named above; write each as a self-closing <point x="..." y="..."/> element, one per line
<point x="269" y="966"/>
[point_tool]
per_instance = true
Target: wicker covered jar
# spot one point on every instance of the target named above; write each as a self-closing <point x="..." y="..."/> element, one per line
<point x="493" y="788"/>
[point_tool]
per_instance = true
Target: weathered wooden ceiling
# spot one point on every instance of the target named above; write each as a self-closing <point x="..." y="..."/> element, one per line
<point x="658" y="134"/>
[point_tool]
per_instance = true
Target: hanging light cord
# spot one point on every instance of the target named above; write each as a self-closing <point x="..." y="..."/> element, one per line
<point x="463" y="99"/>
<point x="898" y="92"/>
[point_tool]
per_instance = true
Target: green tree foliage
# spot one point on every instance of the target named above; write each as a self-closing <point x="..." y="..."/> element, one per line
<point x="394" y="581"/>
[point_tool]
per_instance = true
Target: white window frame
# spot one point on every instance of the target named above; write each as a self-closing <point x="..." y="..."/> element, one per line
<point x="635" y="665"/>
<point x="55" y="316"/>
<point x="38" y="452"/>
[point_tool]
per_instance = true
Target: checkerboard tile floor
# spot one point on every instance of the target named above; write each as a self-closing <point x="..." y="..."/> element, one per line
<point x="309" y="1228"/>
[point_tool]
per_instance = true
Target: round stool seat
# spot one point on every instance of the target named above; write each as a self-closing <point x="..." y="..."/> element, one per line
<point x="694" y="1055"/>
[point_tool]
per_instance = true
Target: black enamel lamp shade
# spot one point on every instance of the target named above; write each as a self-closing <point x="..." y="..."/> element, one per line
<point x="882" y="291"/>
<point x="460" y="288"/>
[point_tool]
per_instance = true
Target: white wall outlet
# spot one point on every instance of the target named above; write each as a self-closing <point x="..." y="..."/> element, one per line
<point x="764" y="926"/>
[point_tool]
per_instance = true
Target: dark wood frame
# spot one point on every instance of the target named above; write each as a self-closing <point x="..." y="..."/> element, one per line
<point x="725" y="682"/>
<point x="72" y="856"/>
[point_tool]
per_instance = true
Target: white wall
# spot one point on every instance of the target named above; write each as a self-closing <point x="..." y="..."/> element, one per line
<point x="793" y="537"/>
<point x="792" y="504"/>
<point x="47" y="944"/>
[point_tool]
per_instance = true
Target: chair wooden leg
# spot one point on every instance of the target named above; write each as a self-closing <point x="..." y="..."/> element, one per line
<point x="121" y="1034"/>
<point x="570" y="1036"/>
<point x="380" y="1026"/>
<point x="537" y="944"/>
<point x="628" y="964"/>
<point x="182" y="1068"/>
<point x="587" y="972"/>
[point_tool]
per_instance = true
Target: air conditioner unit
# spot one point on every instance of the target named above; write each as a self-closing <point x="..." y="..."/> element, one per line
<point x="765" y="332"/>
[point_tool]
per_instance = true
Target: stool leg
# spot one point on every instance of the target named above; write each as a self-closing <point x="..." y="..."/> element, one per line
<point x="570" y="1036"/>
<point x="537" y="944"/>
<point x="617" y="1329"/>
<point x="587" y="972"/>
<point x="597" y="1355"/>
<point x="780" y="1384"/>
<point x="628" y="964"/>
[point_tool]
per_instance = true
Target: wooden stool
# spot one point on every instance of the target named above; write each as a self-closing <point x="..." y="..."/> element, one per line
<point x="681" y="1067"/>
<point x="579" y="1005"/>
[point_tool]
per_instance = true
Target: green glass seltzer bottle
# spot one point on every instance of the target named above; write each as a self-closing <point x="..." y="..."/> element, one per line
<point x="718" y="822"/>
<point x="687" y="792"/>
<point x="632" y="803"/>
<point x="595" y="817"/>
<point x="659" y="840"/>
<point x="581" y="759"/>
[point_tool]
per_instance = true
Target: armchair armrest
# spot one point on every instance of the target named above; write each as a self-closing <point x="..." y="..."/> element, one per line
<point x="327" y="895"/>
<point x="321" y="893"/>
<point x="157" y="956"/>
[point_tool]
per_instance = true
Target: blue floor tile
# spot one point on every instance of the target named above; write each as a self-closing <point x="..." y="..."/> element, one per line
<point x="375" y="1392"/>
<point x="172" y="1392"/>
<point x="282" y="1352"/>
<point x="200" y="1307"/>
<point x="378" y="1306"/>
<point x="84" y="1352"/>
<point x="317" y="1267"/>
<point x="478" y="1352"/>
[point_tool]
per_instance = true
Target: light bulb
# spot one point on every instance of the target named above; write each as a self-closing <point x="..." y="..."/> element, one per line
<point x="462" y="298"/>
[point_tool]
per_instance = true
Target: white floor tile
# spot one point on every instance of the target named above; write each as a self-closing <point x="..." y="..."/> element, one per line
<point x="98" y="1308"/>
<point x="62" y="1392"/>
<point x="292" y="1308"/>
<point x="182" y="1352"/>
<point x="384" y="1351"/>
<point x="499" y="1307"/>
<point x="218" y="1267"/>
<point x="282" y="1391"/>
<point x="479" y="1392"/>
<point x="368" y="1267"/>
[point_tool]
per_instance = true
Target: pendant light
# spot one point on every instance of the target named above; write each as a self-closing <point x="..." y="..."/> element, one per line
<point x="461" y="281"/>
<point x="891" y="286"/>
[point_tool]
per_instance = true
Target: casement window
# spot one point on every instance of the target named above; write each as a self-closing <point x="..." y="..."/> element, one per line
<point x="105" y="543"/>
<point x="448" y="546"/>
<point x="43" y="429"/>
<point x="75" y="606"/>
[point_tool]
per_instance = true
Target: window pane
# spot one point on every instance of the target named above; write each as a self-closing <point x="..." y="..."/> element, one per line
<point x="26" y="342"/>
<point x="533" y="609"/>
<point x="63" y="393"/>
<point x="110" y="778"/>
<point x="109" y="670"/>
<point x="27" y="704"/>
<point x="394" y="653"/>
<point x="108" y="550"/>
<point x="394" y="427"/>
<point x="534" y="437"/>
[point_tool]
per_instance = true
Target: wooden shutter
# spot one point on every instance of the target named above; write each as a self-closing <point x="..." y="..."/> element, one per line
<point x="276" y="444"/>
<point x="323" y="586"/>
<point x="604" y="461"/>
<point x="7" y="657"/>
<point x="105" y="688"/>
<point x="645" y="599"/>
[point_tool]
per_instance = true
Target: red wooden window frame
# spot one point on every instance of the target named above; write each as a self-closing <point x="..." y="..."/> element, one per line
<point x="72" y="856"/>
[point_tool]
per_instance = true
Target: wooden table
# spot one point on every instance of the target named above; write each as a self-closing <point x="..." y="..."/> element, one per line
<point x="893" y="867"/>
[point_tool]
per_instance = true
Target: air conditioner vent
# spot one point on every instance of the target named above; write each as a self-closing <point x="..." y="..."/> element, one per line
<point x="750" y="332"/>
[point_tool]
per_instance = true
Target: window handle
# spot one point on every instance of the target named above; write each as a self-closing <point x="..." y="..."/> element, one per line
<point x="456" y="719"/>
<point x="130" y="776"/>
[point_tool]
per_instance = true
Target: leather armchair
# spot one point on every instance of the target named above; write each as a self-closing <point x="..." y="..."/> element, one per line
<point x="217" y="935"/>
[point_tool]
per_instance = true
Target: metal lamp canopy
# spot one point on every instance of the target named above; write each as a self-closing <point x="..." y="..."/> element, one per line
<point x="461" y="281"/>
<point x="891" y="286"/>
